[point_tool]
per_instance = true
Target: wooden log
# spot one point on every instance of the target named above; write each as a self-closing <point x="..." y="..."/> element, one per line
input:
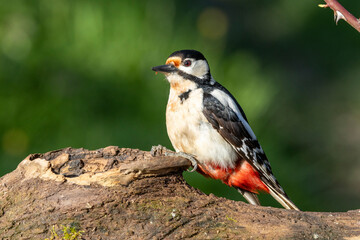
<point x="120" y="193"/>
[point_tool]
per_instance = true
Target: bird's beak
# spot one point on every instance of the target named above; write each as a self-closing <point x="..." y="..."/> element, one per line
<point x="168" y="68"/>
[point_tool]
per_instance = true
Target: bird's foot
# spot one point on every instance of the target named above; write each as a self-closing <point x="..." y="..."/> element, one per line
<point x="188" y="156"/>
<point x="159" y="150"/>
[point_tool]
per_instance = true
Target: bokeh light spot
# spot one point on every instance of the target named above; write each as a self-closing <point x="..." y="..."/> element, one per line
<point x="15" y="142"/>
<point x="16" y="41"/>
<point x="212" y="23"/>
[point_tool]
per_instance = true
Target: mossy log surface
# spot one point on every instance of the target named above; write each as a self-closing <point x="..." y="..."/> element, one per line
<point x="119" y="193"/>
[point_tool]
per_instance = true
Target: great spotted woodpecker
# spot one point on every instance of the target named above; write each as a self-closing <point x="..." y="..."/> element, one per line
<point x="206" y="125"/>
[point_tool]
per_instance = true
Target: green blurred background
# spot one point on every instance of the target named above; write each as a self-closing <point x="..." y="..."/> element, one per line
<point x="78" y="73"/>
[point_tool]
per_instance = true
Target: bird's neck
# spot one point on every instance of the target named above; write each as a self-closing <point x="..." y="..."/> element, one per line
<point x="179" y="85"/>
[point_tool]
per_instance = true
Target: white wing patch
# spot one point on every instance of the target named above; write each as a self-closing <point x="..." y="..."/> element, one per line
<point x="227" y="101"/>
<point x="244" y="148"/>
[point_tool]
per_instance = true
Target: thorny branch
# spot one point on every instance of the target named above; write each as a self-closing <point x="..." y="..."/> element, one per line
<point x="341" y="13"/>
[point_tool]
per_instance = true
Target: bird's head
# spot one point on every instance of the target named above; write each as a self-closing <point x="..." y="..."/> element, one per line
<point x="185" y="64"/>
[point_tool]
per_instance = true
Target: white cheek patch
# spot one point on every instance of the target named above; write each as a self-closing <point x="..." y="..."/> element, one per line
<point x="198" y="68"/>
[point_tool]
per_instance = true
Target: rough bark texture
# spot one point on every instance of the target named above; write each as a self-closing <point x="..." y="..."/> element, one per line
<point x="118" y="193"/>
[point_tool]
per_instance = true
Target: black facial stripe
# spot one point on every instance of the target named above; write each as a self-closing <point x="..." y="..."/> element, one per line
<point x="184" y="95"/>
<point x="190" y="77"/>
<point x="200" y="82"/>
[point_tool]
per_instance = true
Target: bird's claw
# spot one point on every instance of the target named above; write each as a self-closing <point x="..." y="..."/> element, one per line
<point x="187" y="156"/>
<point x="158" y="150"/>
<point x="161" y="150"/>
<point x="194" y="164"/>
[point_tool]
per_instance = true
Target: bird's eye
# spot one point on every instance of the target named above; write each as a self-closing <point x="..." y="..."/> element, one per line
<point x="187" y="63"/>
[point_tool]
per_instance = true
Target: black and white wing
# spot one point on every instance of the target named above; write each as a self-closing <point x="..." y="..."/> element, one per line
<point x="227" y="117"/>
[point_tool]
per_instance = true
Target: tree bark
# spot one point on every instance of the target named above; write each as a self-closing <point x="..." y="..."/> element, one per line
<point x="119" y="193"/>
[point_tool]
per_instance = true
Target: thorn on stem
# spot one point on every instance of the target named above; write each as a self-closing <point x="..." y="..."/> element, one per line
<point x="337" y="16"/>
<point x="323" y="5"/>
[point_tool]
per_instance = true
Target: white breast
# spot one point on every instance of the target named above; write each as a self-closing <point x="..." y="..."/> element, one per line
<point x="190" y="132"/>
